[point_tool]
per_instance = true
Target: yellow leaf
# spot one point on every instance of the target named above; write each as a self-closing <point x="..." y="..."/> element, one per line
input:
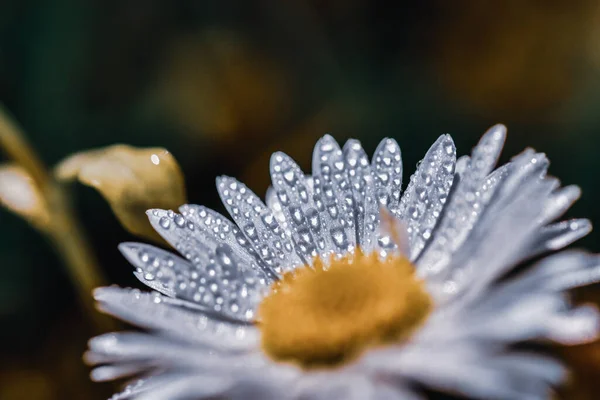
<point x="20" y="194"/>
<point x="132" y="180"/>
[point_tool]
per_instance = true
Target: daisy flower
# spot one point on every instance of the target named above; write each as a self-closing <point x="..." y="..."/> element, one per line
<point x="342" y="286"/>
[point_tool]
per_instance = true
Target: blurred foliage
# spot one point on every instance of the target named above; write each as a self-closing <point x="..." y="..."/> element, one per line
<point x="223" y="84"/>
<point x="19" y="194"/>
<point x="131" y="180"/>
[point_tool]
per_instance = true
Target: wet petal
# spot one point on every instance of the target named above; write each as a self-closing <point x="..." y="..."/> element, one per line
<point x="333" y="195"/>
<point x="219" y="285"/>
<point x="426" y="194"/>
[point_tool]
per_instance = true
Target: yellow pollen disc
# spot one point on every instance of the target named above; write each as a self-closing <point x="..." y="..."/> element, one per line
<point x="327" y="315"/>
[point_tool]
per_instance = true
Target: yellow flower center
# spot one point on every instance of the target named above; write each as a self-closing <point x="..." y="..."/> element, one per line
<point x="323" y="316"/>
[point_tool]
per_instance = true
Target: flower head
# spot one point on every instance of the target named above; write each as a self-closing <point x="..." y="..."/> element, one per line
<point x="342" y="286"/>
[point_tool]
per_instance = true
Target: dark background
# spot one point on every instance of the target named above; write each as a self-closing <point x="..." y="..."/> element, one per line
<point x="223" y="84"/>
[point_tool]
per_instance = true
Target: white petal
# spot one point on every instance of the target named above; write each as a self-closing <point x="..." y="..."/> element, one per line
<point x="466" y="202"/>
<point x="333" y="196"/>
<point x="152" y="311"/>
<point x="362" y="182"/>
<point x="479" y="375"/>
<point x="199" y="232"/>
<point x="333" y="385"/>
<point x="561" y="234"/>
<point x="559" y="202"/>
<point x="387" y="167"/>
<point x="577" y="326"/>
<point x="426" y="194"/>
<point x="505" y="233"/>
<point x="188" y="387"/>
<point x="111" y="372"/>
<point x="296" y="200"/>
<point x="259" y="225"/>
<point x="141" y="385"/>
<point x="273" y="203"/>
<point x="222" y="285"/>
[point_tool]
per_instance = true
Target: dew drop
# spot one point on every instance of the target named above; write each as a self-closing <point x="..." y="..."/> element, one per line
<point x="164" y="222"/>
<point x="339" y="237"/>
<point x="297" y="215"/>
<point x="179" y="221"/>
<point x="290" y="176"/>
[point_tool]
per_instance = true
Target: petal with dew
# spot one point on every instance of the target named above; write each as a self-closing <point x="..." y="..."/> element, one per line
<point x="424" y="198"/>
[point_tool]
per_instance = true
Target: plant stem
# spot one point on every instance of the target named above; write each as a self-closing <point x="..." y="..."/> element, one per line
<point x="64" y="231"/>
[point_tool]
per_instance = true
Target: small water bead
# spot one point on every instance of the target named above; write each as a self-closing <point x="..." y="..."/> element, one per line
<point x="413" y="212"/>
<point x="283" y="198"/>
<point x="328" y="191"/>
<point x="449" y="147"/>
<point x="339" y="237"/>
<point x="165" y="222"/>
<point x="382" y="196"/>
<point x="179" y="221"/>
<point x="313" y="219"/>
<point x="297" y="215"/>
<point x="304" y="235"/>
<point x="383" y="177"/>
<point x="250" y="231"/>
<point x="574" y="225"/>
<point x="320" y="206"/>
<point x="448" y="166"/>
<point x="303" y="193"/>
<point x="144" y="256"/>
<point x="269" y="221"/>
<point x="208" y="299"/>
<point x="349" y="201"/>
<point x="211" y="269"/>
<point x="333" y="211"/>
<point x="156" y="298"/>
<point x="225" y="255"/>
<point x="290" y="176"/>
<point x="385" y="242"/>
<point x="327" y="146"/>
<point x="321" y="243"/>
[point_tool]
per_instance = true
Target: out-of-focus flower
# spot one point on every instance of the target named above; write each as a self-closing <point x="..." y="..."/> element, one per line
<point x="131" y="180"/>
<point x="520" y="57"/>
<point x="218" y="85"/>
<point x="339" y="287"/>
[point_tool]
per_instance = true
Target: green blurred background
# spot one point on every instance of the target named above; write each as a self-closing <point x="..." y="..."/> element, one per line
<point x="223" y="84"/>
